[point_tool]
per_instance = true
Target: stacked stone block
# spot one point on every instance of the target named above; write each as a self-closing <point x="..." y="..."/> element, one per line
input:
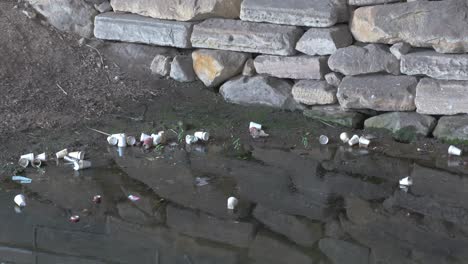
<point x="392" y="56"/>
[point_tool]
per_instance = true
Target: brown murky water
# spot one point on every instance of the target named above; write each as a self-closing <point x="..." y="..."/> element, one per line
<point x="327" y="204"/>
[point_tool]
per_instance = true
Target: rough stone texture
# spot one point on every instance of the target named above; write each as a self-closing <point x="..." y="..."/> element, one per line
<point x="252" y="37"/>
<point x="437" y="24"/>
<point x="378" y="92"/>
<point x="420" y="124"/>
<point x="437" y="97"/>
<point x="182" y="10"/>
<point x="249" y="68"/>
<point x="310" y="13"/>
<point x="452" y="128"/>
<point x="297" y="229"/>
<point x="202" y="225"/>
<point x="259" y="90"/>
<point x="324" y="41"/>
<point x="103" y="7"/>
<point x="370" y="2"/>
<point x="182" y="69"/>
<point x="334" y="78"/>
<point x="74" y="16"/>
<point x="213" y="67"/>
<point x="161" y="65"/>
<point x="267" y="248"/>
<point x="372" y="58"/>
<point x="135" y="28"/>
<point x="342" y="10"/>
<point x="342" y="252"/>
<point x="336" y="115"/>
<point x="295" y="67"/>
<point x="436" y="65"/>
<point x="314" y="93"/>
<point x="399" y="49"/>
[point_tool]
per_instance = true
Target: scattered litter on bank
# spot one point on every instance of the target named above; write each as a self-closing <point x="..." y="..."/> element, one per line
<point x="232" y="203"/>
<point x="354" y="140"/>
<point x="323" y="140"/>
<point x="454" y="151"/>
<point x="21" y="179"/>
<point x="364" y="142"/>
<point x="405" y="183"/>
<point x="189" y="139"/>
<point x="20" y="200"/>
<point x="344" y="137"/>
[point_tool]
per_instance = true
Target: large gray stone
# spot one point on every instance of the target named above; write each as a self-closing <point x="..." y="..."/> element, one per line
<point x="299" y="230"/>
<point x="182" y="69"/>
<point x="314" y="92"/>
<point x="324" y="41"/>
<point x="226" y="34"/>
<point x="370" y="2"/>
<point x="295" y="67"/>
<point x="342" y="252"/>
<point x="182" y="10"/>
<point x="336" y="115"/>
<point x="205" y="226"/>
<point x="213" y="67"/>
<point x="372" y="58"/>
<point x="135" y="28"/>
<point x="396" y="121"/>
<point x="437" y="24"/>
<point x="437" y="97"/>
<point x="310" y="13"/>
<point x="436" y="65"/>
<point x="74" y="16"/>
<point x="267" y="248"/>
<point x="378" y="92"/>
<point x="452" y="128"/>
<point x="259" y="90"/>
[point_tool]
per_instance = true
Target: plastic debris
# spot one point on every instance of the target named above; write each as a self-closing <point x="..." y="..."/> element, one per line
<point x="405" y="183"/>
<point x="21" y="179"/>
<point x="61" y="154"/>
<point x="148" y="143"/>
<point x="97" y="199"/>
<point x="232" y="203"/>
<point x="36" y="163"/>
<point x="257" y="133"/>
<point x="364" y="142"/>
<point x="323" y="140"/>
<point x="144" y="136"/>
<point x="23" y="163"/>
<point x="79" y="155"/>
<point x="20" y="200"/>
<point x="344" y="137"/>
<point x="29" y="157"/>
<point x="112" y="140"/>
<point x="122" y="140"/>
<point x="205" y="136"/>
<point x="189" y="139"/>
<point x="81" y="165"/>
<point x="255" y="125"/>
<point x="42" y="157"/>
<point x="452" y="150"/>
<point x="74" y="218"/>
<point x="133" y="198"/>
<point x="131" y="140"/>
<point x="354" y="140"/>
<point x="201" y="181"/>
<point x="70" y="159"/>
<point x="159" y="138"/>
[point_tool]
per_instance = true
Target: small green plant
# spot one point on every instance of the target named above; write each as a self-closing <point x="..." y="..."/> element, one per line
<point x="159" y="148"/>
<point x="305" y="140"/>
<point x="236" y="144"/>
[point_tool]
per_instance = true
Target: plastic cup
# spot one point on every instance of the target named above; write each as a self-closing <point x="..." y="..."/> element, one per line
<point x="36" y="163"/>
<point x="61" y="154"/>
<point x="81" y="165"/>
<point x="42" y="157"/>
<point x="79" y="155"/>
<point x="452" y="150"/>
<point x="148" y="143"/>
<point x="29" y="156"/>
<point x="143" y="137"/>
<point x="131" y="140"/>
<point x="363" y="142"/>
<point x="205" y="136"/>
<point x="255" y="125"/>
<point x="323" y="140"/>
<point x="20" y="200"/>
<point x="112" y="140"/>
<point x="344" y="137"/>
<point x="122" y="140"/>
<point x="23" y="162"/>
<point x="354" y="140"/>
<point x="189" y="139"/>
<point x="232" y="203"/>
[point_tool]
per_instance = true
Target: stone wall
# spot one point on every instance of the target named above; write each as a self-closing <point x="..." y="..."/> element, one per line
<point x="342" y="61"/>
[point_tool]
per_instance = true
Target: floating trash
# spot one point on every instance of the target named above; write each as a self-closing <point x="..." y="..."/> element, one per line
<point x="354" y="140"/>
<point x="42" y="157"/>
<point x="97" y="199"/>
<point x="255" y="125"/>
<point x="452" y="150"/>
<point x="29" y="157"/>
<point x="61" y="154"/>
<point x="81" y="165"/>
<point x="344" y="137"/>
<point x="122" y="140"/>
<point x="133" y="198"/>
<point x="405" y="183"/>
<point x="201" y="181"/>
<point x="144" y="137"/>
<point x="189" y="139"/>
<point x="323" y="140"/>
<point x="148" y="143"/>
<point x="112" y="140"/>
<point x="20" y="200"/>
<point x="232" y="203"/>
<point x="74" y="218"/>
<point x="79" y="155"/>
<point x="205" y="136"/>
<point x="364" y="142"/>
<point x="21" y="179"/>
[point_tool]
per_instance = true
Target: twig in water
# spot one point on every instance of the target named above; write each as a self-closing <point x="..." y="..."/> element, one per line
<point x="325" y="123"/>
<point x="99" y="131"/>
<point x="60" y="87"/>
<point x="98" y="52"/>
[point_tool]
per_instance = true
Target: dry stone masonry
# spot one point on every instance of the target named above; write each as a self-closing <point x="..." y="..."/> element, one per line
<point x="339" y="61"/>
